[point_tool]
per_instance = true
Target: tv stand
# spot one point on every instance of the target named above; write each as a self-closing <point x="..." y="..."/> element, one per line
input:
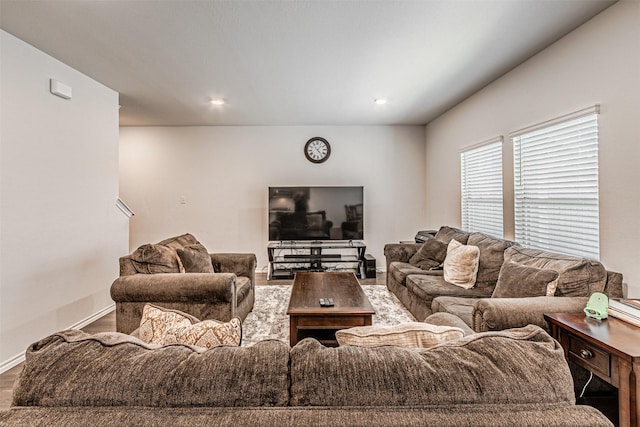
<point x="287" y="257"/>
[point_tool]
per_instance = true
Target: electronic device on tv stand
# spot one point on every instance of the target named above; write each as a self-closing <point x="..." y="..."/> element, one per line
<point x="423" y="235"/>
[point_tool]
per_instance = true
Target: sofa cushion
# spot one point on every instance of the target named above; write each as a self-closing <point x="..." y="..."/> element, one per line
<point x="446" y="234"/>
<point x="521" y="281"/>
<point x="162" y="256"/>
<point x="431" y="254"/>
<point x="195" y="259"/>
<point x="491" y="256"/>
<point x="179" y="241"/>
<point x="157" y="321"/>
<point x="426" y="288"/>
<point x="460" y="266"/>
<point x="408" y="334"/>
<point x="576" y="276"/>
<point x="400" y="270"/>
<point x="448" y="374"/>
<point x="206" y="334"/>
<point x="156" y="258"/>
<point x="73" y="368"/>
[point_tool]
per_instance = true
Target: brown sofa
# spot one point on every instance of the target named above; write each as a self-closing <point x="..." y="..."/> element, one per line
<point x="516" y="377"/>
<point x="425" y="291"/>
<point x="221" y="295"/>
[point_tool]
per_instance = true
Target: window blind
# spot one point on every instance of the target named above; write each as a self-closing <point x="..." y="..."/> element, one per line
<point x="481" y="169"/>
<point x="556" y="186"/>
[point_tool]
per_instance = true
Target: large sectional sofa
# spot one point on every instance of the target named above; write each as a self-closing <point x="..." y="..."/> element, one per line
<point x="505" y="378"/>
<point x="424" y="290"/>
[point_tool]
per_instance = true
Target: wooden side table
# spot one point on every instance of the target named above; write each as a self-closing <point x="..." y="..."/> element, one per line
<point x="610" y="349"/>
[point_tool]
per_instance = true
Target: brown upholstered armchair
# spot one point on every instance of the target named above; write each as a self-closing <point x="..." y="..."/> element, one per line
<point x="226" y="292"/>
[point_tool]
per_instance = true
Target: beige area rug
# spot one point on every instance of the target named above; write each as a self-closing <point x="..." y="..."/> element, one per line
<point x="269" y="319"/>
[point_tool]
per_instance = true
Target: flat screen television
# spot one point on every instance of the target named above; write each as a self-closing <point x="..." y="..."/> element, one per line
<point x="316" y="213"/>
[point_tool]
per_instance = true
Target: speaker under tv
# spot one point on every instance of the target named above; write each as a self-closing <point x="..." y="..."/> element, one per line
<point x="316" y="213"/>
<point x="369" y="266"/>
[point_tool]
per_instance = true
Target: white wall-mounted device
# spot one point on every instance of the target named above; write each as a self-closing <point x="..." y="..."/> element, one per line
<point x="60" y="89"/>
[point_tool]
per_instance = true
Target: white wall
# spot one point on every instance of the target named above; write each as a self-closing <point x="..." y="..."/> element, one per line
<point x="599" y="63"/>
<point x="60" y="233"/>
<point x="224" y="173"/>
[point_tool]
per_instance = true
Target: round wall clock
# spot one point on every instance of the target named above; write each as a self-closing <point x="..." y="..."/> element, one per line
<point x="317" y="150"/>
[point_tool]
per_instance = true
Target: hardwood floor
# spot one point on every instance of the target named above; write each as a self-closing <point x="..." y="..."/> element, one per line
<point x="7" y="379"/>
<point x="107" y="323"/>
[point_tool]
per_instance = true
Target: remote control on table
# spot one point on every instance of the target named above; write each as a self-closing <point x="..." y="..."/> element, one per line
<point x="326" y="302"/>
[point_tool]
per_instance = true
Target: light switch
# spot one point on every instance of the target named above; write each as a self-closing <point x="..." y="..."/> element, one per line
<point x="183" y="200"/>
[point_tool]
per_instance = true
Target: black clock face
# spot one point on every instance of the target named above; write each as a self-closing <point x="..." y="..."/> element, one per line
<point x="317" y="150"/>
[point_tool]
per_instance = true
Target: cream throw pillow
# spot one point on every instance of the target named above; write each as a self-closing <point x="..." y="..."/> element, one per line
<point x="409" y="334"/>
<point x="461" y="264"/>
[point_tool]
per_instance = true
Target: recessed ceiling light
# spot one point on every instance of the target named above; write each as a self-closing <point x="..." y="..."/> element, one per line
<point x="217" y="101"/>
<point x="380" y="101"/>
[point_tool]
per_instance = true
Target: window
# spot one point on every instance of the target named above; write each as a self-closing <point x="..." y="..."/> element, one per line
<point x="481" y="179"/>
<point x="556" y="185"/>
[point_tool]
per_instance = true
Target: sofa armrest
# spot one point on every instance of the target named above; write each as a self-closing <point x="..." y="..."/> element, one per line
<point x="613" y="287"/>
<point x="400" y="251"/>
<point x="126" y="266"/>
<point x="505" y="313"/>
<point x="448" y="319"/>
<point x="174" y="287"/>
<point x="238" y="264"/>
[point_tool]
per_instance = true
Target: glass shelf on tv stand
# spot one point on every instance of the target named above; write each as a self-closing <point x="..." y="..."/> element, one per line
<point x="324" y="244"/>
<point x="290" y="256"/>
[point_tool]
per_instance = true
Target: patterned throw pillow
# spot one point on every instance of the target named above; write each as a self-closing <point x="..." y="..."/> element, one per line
<point x="461" y="264"/>
<point x="409" y="335"/>
<point x="156" y="321"/>
<point x="207" y="334"/>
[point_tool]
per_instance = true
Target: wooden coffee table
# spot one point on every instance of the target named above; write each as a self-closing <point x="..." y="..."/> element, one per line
<point x="308" y="319"/>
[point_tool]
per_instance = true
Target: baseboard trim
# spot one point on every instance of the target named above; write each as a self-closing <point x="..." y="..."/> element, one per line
<point x="81" y="324"/>
<point x="19" y="358"/>
<point x="14" y="361"/>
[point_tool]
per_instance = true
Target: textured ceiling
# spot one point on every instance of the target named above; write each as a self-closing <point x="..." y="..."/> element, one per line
<point x="311" y="62"/>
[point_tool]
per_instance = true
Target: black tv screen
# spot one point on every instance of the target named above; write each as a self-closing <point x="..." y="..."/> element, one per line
<point x="316" y="213"/>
